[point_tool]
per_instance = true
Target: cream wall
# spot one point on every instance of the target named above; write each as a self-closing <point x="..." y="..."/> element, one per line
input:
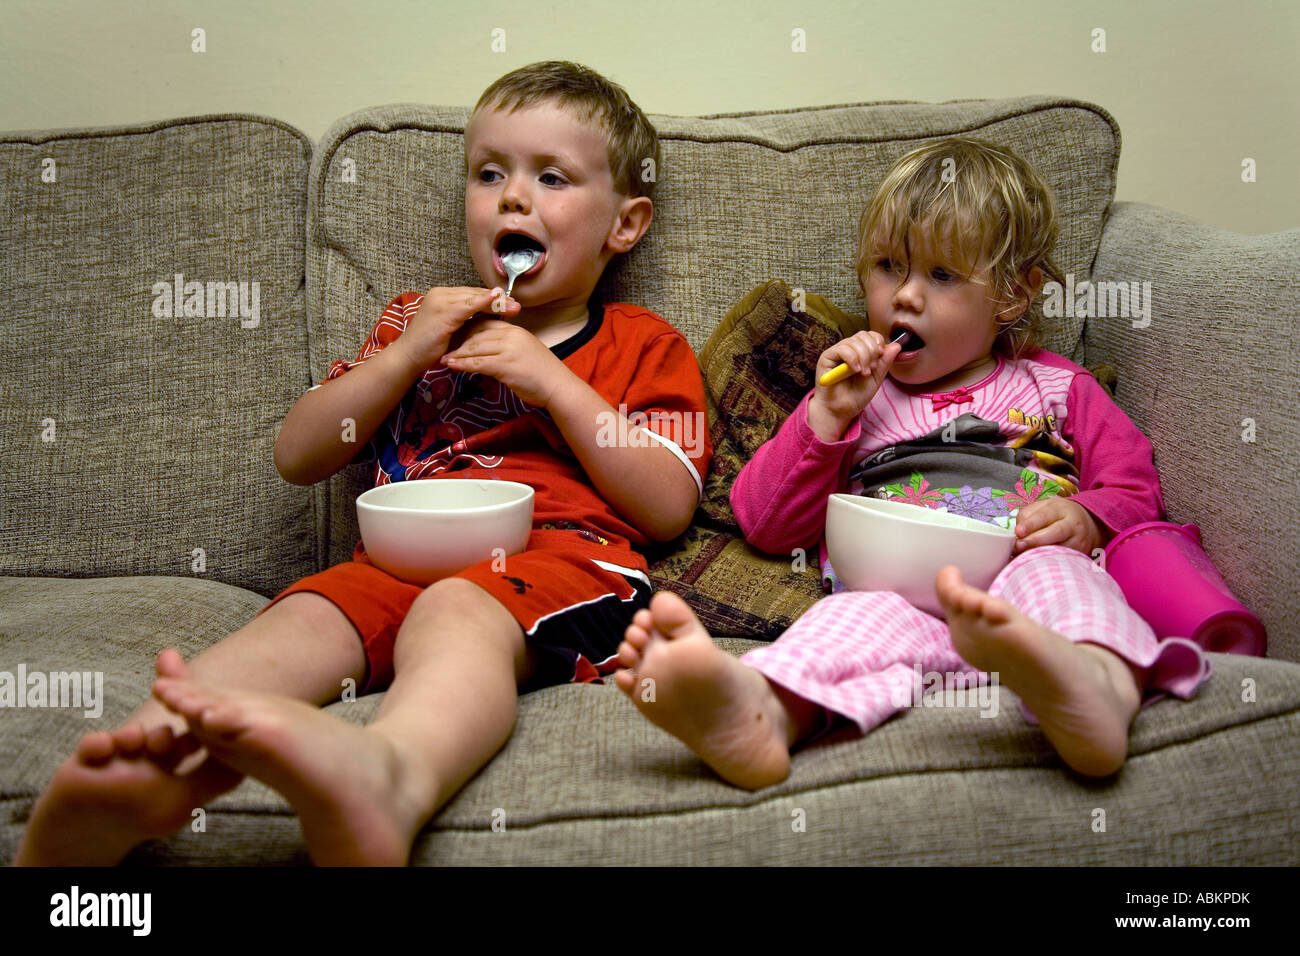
<point x="1196" y="86"/>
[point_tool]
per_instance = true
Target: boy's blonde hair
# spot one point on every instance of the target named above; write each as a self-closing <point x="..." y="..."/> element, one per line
<point x="979" y="203"/>
<point x="630" y="137"/>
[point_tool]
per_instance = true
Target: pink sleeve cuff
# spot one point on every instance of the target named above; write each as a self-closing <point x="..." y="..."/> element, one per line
<point x="779" y="497"/>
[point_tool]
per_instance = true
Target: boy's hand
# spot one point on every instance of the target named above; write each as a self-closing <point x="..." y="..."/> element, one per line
<point x="833" y="407"/>
<point x="513" y="356"/>
<point x="428" y="336"/>
<point x="1057" y="521"/>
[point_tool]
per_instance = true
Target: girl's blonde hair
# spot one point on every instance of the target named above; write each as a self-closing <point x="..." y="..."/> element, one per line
<point x="978" y="203"/>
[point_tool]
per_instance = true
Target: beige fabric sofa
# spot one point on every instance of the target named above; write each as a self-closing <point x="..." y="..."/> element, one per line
<point x="141" y="507"/>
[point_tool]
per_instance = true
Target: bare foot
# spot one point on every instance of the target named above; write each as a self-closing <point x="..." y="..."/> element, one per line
<point x="118" y="790"/>
<point x="355" y="799"/>
<point x="1084" y="697"/>
<point x="683" y="682"/>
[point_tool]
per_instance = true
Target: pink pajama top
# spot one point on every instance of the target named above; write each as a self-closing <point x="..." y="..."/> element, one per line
<point x="1036" y="426"/>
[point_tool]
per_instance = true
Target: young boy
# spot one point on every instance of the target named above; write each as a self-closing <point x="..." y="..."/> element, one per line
<point x="539" y="382"/>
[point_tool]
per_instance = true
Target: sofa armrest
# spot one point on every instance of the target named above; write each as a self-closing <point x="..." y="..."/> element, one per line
<point x="1209" y="370"/>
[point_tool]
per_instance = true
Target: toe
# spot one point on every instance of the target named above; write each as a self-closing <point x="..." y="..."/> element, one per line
<point x="96" y="747"/>
<point x="180" y="696"/>
<point x="636" y="638"/>
<point x="129" y="740"/>
<point x="667" y="604"/>
<point x="948" y="588"/>
<point x="167" y="690"/>
<point x="223" y="718"/>
<point x="625" y="680"/>
<point x="171" y="664"/>
<point x="628" y="655"/>
<point x="672" y="615"/>
<point x="159" y="740"/>
<point x="960" y="598"/>
<point x="996" y="610"/>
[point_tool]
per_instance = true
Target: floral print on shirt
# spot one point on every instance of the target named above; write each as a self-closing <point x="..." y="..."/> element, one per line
<point x="994" y="505"/>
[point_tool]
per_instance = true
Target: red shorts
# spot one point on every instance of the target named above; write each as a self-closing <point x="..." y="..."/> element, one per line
<point x="571" y="609"/>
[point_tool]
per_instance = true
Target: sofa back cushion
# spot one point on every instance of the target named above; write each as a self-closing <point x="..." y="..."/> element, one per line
<point x="152" y="301"/>
<point x="740" y="199"/>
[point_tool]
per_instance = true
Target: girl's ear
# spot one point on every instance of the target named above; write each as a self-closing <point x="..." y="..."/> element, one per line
<point x="1033" y="284"/>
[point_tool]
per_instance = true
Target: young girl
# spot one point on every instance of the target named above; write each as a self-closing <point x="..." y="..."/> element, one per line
<point x="950" y="407"/>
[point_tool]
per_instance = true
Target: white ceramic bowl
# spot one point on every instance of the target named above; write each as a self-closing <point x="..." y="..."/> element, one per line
<point x="878" y="545"/>
<point x="425" y="530"/>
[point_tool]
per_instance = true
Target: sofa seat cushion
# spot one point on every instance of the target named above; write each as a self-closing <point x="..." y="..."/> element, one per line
<point x="110" y="628"/>
<point x="586" y="779"/>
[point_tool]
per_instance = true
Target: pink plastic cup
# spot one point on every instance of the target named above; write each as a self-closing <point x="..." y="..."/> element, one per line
<point x="1172" y="584"/>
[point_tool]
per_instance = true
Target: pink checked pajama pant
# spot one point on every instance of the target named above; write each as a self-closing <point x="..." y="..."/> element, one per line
<point x="856" y="653"/>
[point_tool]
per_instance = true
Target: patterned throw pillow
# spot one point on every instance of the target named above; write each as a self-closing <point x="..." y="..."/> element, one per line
<point x="758" y="365"/>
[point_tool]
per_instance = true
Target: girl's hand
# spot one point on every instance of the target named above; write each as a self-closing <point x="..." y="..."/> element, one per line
<point x="1057" y="521"/>
<point x="834" y="407"/>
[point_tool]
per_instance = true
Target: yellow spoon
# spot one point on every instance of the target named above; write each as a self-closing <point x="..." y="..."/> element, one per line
<point x="842" y="371"/>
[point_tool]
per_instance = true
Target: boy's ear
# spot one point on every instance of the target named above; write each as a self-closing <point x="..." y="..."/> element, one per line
<point x="634" y="217"/>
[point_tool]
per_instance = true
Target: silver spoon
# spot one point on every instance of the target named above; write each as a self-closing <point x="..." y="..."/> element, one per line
<point x="518" y="262"/>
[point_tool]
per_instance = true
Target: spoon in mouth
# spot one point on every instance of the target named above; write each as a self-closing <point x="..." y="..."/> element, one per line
<point x="516" y="263"/>
<point x="842" y="371"/>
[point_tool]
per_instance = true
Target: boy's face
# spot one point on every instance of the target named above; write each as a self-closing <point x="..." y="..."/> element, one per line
<point x="543" y="174"/>
<point x="952" y="319"/>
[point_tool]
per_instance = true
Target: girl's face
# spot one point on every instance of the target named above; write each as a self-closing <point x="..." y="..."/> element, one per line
<point x="951" y="318"/>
